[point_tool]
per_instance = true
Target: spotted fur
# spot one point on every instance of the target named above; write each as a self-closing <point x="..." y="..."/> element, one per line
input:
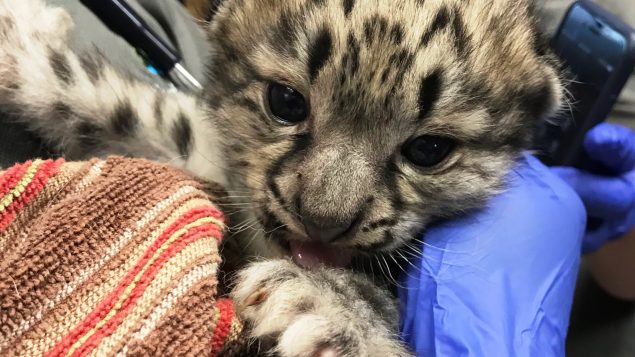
<point x="375" y="73"/>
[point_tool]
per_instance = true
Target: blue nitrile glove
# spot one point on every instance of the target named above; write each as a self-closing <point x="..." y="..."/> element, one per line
<point x="609" y="200"/>
<point x="499" y="282"/>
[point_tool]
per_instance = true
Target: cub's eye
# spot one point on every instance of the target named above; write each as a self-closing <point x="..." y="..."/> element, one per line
<point x="286" y="104"/>
<point x="427" y="151"/>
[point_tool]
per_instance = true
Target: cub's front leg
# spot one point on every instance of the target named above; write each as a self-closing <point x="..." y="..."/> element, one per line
<point x="322" y="312"/>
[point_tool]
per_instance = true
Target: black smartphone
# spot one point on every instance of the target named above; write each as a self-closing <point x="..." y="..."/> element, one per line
<point x="599" y="50"/>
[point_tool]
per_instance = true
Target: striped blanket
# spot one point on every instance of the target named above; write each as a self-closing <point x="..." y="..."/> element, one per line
<point x="110" y="257"/>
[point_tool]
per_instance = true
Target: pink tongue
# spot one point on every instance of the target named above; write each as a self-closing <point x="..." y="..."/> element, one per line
<point x="309" y="255"/>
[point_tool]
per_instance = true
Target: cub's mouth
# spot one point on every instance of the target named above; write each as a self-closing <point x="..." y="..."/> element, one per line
<point x="307" y="253"/>
<point x="310" y="245"/>
<point x="312" y="254"/>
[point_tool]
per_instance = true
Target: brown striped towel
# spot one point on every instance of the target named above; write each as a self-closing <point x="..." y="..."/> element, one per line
<point x="110" y="257"/>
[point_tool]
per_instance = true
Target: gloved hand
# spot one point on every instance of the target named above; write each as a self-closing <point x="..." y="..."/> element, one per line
<point x="609" y="200"/>
<point x="499" y="282"/>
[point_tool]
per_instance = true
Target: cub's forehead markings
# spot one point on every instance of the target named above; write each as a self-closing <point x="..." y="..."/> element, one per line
<point x="317" y="2"/>
<point x="429" y="93"/>
<point x="348" y="7"/>
<point x="397" y="33"/>
<point x="446" y="18"/>
<point x="285" y="36"/>
<point x="439" y="23"/>
<point x="462" y="38"/>
<point x="321" y="51"/>
<point x="351" y="58"/>
<point x="375" y="29"/>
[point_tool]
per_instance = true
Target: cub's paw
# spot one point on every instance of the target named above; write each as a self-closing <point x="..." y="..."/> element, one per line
<point x="323" y="312"/>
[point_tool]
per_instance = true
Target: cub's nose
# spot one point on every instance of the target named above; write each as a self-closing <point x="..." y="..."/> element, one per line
<point x="324" y="233"/>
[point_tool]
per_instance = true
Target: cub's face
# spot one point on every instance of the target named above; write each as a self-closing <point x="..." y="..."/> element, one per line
<point x="355" y="123"/>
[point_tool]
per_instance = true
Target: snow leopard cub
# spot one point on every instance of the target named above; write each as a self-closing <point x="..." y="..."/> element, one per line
<point x="346" y="126"/>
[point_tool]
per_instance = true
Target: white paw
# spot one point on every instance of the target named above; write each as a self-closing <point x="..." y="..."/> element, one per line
<point x="310" y="313"/>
